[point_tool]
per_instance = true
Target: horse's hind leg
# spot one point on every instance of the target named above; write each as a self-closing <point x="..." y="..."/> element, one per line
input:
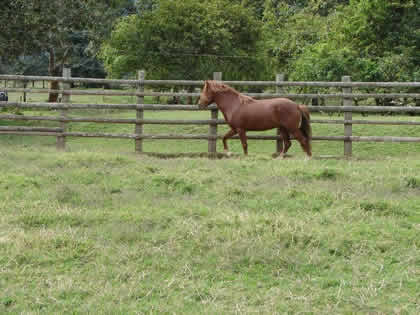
<point x="286" y="140"/>
<point x="242" y="136"/>
<point x="303" y="141"/>
<point x="229" y="134"/>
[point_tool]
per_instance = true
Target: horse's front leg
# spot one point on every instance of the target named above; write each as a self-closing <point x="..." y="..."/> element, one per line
<point x="242" y="136"/>
<point x="229" y="134"/>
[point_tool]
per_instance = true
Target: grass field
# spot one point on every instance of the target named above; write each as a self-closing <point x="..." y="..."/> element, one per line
<point x="99" y="229"/>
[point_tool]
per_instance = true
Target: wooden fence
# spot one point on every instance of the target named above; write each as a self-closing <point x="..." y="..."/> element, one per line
<point x="65" y="106"/>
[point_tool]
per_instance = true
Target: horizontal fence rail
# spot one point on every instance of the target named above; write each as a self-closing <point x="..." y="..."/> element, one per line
<point x="201" y="82"/>
<point x="64" y="108"/>
<point x="193" y="122"/>
<point x="174" y="107"/>
<point x="255" y="95"/>
<point x="47" y="132"/>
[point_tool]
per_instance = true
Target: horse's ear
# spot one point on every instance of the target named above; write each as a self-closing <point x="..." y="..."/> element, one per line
<point x="205" y="85"/>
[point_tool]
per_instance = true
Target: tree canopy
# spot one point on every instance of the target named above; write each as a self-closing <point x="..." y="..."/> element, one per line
<point x="54" y="28"/>
<point x="372" y="40"/>
<point x="185" y="39"/>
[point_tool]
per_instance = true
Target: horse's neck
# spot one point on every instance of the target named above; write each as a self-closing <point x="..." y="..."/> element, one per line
<point x="228" y="103"/>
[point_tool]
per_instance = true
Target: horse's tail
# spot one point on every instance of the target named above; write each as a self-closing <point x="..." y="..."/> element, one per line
<point x="305" y="125"/>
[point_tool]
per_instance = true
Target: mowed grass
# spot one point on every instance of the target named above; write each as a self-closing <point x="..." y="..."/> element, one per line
<point x="100" y="229"/>
<point x="119" y="233"/>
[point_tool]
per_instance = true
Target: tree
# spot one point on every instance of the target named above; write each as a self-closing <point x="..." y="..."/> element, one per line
<point x="146" y="5"/>
<point x="41" y="27"/>
<point x="289" y="27"/>
<point x="186" y="39"/>
<point x="11" y="30"/>
<point x="326" y="7"/>
<point x="374" y="40"/>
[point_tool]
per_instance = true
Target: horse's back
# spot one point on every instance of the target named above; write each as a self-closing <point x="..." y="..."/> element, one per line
<point x="282" y="103"/>
<point x="279" y="107"/>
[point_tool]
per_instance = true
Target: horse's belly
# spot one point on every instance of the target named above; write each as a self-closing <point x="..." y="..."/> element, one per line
<point x="261" y="127"/>
<point x="256" y="123"/>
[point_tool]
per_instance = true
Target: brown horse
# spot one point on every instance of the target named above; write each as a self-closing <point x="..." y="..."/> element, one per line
<point x="243" y="113"/>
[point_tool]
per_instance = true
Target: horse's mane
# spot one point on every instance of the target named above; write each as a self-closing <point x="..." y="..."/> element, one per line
<point x="220" y="87"/>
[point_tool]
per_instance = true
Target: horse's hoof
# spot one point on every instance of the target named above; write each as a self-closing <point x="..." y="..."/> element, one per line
<point x="228" y="153"/>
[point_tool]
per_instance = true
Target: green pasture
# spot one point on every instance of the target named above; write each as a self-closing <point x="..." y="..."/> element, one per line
<point x="100" y="229"/>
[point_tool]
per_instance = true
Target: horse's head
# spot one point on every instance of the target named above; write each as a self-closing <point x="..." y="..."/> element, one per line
<point x="206" y="96"/>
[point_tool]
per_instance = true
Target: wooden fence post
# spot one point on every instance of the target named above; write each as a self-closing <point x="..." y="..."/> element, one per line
<point x="279" y="90"/>
<point x="213" y="126"/>
<point x="139" y="112"/>
<point x="65" y="98"/>
<point x="348" y="127"/>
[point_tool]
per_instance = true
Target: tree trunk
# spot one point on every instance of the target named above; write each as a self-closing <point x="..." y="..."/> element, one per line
<point x="175" y="98"/>
<point x="190" y="98"/>
<point x="54" y="85"/>
<point x="25" y="84"/>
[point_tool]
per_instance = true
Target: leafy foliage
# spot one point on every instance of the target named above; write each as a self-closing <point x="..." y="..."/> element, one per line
<point x="288" y="29"/>
<point x="373" y="40"/>
<point x="188" y="39"/>
<point x="54" y="28"/>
